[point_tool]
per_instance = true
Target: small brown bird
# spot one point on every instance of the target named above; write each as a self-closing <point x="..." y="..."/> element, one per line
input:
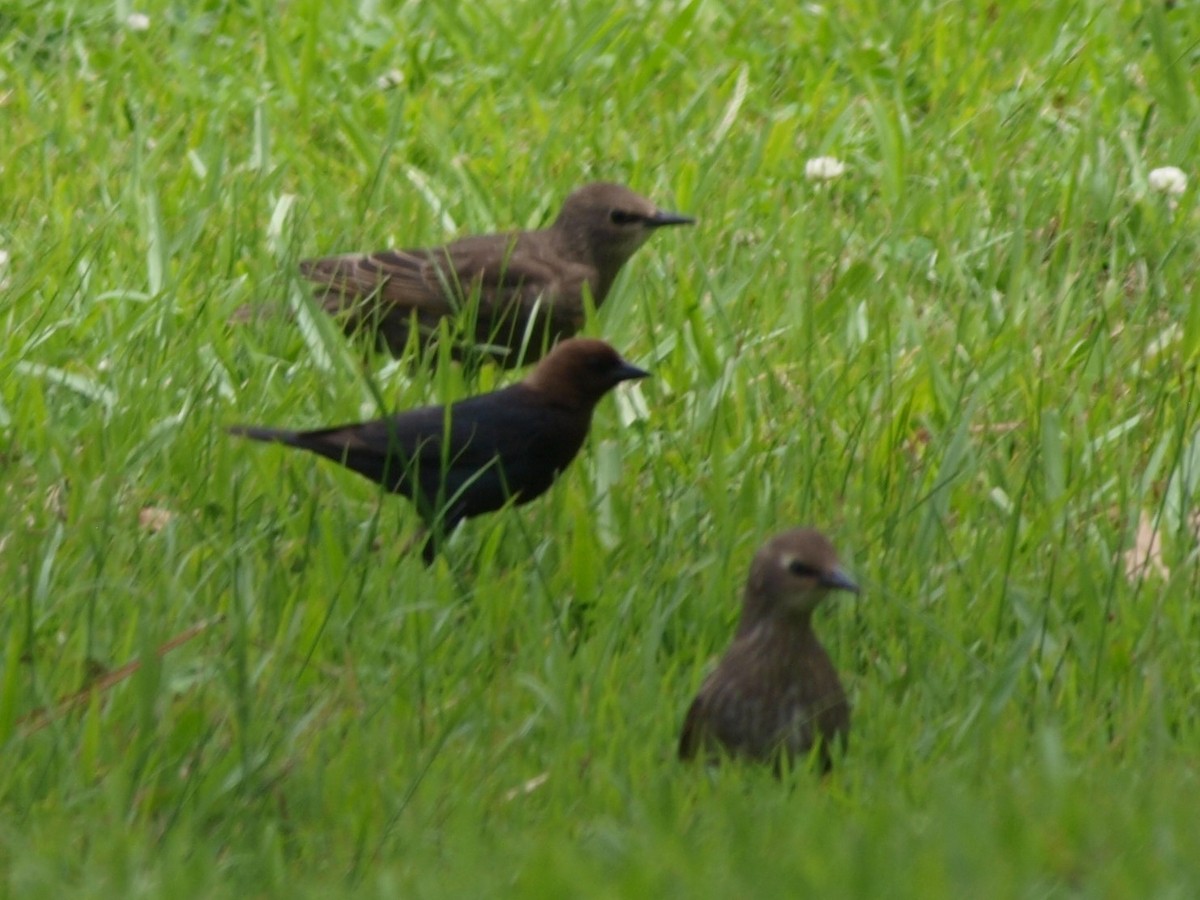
<point x="472" y="457"/>
<point x="512" y="294"/>
<point x="775" y="693"/>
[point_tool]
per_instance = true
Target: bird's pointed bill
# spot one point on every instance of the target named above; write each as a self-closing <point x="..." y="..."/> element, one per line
<point x="661" y="218"/>
<point x="629" y="372"/>
<point x="838" y="580"/>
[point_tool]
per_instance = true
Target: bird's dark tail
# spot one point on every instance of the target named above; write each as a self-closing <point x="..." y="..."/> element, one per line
<point x="270" y="435"/>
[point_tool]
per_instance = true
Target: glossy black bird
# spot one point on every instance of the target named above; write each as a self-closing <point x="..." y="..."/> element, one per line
<point x="511" y="294"/>
<point x="775" y="692"/>
<point x="472" y="457"/>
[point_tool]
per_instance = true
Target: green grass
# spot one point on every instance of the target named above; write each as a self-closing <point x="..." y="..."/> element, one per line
<point x="972" y="360"/>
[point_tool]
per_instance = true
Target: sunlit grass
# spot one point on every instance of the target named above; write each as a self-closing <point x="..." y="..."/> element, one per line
<point x="970" y="357"/>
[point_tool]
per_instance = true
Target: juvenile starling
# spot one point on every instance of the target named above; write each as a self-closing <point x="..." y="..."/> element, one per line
<point x="775" y="693"/>
<point x="472" y="457"/>
<point x="513" y="295"/>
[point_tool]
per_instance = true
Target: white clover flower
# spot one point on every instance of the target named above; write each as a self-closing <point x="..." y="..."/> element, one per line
<point x="824" y="168"/>
<point x="137" y="21"/>
<point x="1169" y="180"/>
<point x="390" y="79"/>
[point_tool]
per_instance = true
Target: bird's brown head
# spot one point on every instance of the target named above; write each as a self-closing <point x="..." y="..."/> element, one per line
<point x="609" y="222"/>
<point x="791" y="575"/>
<point x="579" y="371"/>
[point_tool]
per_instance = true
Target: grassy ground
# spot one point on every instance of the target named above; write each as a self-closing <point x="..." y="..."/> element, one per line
<point x="971" y="359"/>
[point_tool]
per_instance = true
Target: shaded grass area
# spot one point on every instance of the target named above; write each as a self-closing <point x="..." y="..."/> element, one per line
<point x="971" y="359"/>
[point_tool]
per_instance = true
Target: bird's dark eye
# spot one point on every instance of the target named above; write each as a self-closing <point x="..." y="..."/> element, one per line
<point x="802" y="570"/>
<point x="621" y="217"/>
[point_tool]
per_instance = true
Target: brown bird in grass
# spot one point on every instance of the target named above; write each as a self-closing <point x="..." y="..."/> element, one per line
<point x="472" y="457"/>
<point x="775" y="693"/>
<point x="513" y="294"/>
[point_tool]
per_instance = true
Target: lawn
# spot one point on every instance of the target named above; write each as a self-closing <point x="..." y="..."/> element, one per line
<point x="971" y="358"/>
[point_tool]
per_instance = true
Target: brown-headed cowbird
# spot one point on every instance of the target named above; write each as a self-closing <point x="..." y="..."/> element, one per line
<point x="472" y="457"/>
<point x="513" y="295"/>
<point x="775" y="693"/>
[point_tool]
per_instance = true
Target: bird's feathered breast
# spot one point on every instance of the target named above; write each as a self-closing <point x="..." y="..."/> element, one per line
<point x="775" y="687"/>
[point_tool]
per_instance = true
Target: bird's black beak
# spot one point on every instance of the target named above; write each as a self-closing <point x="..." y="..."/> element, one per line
<point x="839" y="581"/>
<point x="629" y="372"/>
<point x="660" y="218"/>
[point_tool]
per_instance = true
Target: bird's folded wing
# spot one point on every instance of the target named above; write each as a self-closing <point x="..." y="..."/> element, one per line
<point x="506" y="276"/>
<point x="422" y="439"/>
<point x="399" y="277"/>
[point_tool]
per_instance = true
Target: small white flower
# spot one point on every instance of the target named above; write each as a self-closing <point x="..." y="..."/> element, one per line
<point x="390" y="79"/>
<point x="824" y="168"/>
<point x="1168" y="180"/>
<point x="137" y="21"/>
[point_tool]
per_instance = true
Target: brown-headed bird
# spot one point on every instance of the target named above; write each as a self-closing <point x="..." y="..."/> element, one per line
<point x="775" y="692"/>
<point x="512" y="295"/>
<point x="472" y="457"/>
